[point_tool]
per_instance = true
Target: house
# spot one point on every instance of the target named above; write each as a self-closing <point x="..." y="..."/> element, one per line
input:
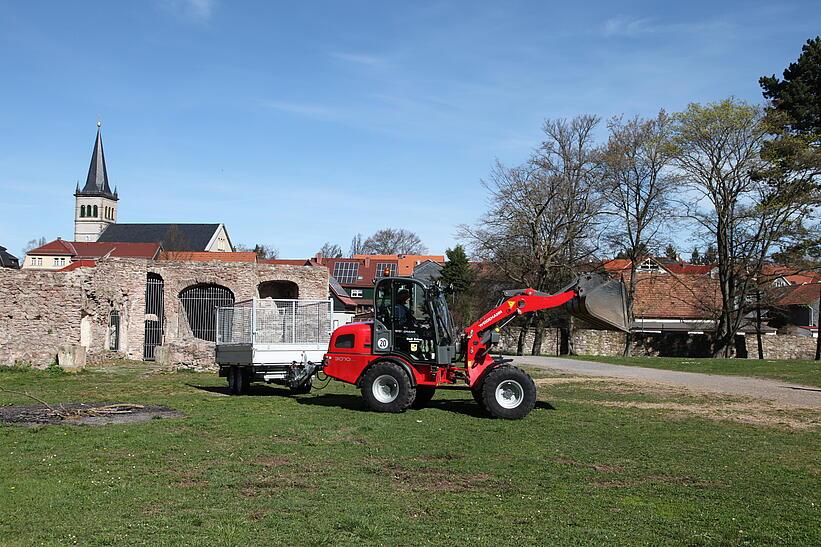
<point x="59" y="254"/>
<point x="8" y="260"/>
<point x="172" y="237"/>
<point x="795" y="309"/>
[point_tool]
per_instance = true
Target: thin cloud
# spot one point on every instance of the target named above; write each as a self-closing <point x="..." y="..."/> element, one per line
<point x="198" y="11"/>
<point x="358" y="58"/>
<point x="632" y="27"/>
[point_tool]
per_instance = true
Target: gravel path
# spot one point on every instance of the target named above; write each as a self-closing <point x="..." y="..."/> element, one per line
<point x="758" y="388"/>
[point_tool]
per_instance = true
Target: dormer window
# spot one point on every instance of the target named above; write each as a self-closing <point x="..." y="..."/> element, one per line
<point x="649" y="265"/>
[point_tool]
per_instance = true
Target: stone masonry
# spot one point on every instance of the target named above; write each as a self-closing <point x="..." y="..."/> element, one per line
<point x="41" y="311"/>
<point x="782" y="347"/>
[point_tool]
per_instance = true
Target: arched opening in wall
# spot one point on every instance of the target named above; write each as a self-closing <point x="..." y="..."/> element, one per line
<point x="96" y="212"/>
<point x="114" y="330"/>
<point x="154" y="315"/>
<point x="278" y="289"/>
<point x="85" y="330"/>
<point x="82" y="211"/>
<point x="200" y="303"/>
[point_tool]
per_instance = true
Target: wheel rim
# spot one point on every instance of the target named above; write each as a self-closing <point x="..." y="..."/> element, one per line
<point x="509" y="394"/>
<point x="385" y="389"/>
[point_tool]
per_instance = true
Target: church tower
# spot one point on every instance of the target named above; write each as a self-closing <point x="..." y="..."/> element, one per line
<point x="95" y="205"/>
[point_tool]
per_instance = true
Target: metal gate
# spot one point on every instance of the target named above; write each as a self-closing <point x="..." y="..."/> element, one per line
<point x="154" y="315"/>
<point x="114" y="331"/>
<point x="200" y="303"/>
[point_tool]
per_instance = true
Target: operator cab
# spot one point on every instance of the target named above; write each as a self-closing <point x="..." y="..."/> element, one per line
<point x="412" y="321"/>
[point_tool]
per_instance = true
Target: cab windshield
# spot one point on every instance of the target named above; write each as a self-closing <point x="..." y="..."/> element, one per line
<point x="443" y="321"/>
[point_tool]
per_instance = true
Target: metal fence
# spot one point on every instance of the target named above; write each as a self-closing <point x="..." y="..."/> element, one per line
<point x="154" y="315"/>
<point x="199" y="303"/>
<point x="275" y="322"/>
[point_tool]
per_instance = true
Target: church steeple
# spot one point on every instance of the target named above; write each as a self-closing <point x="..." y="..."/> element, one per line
<point x="97" y="179"/>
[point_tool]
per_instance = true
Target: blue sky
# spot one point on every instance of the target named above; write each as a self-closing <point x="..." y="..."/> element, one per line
<point x="304" y="123"/>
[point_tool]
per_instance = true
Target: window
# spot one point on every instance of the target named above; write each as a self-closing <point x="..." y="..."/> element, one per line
<point x="96" y="212"/>
<point x="345" y="341"/>
<point x="346" y="272"/>
<point x="199" y="303"/>
<point x="114" y="331"/>
<point x="356" y="293"/>
<point x="649" y="266"/>
<point x="385" y="269"/>
<point x="82" y="211"/>
<point x="60" y="261"/>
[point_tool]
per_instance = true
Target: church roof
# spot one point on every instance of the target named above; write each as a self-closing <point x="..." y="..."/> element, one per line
<point x="97" y="179"/>
<point x="172" y="237"/>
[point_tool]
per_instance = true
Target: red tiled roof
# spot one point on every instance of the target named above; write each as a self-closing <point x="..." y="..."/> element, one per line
<point x="205" y="256"/>
<point x="616" y="265"/>
<point x="366" y="273"/>
<point x="79" y="264"/>
<point x="806" y="294"/>
<point x="676" y="296"/>
<point x="286" y="261"/>
<point x="689" y="269"/>
<point x="95" y="249"/>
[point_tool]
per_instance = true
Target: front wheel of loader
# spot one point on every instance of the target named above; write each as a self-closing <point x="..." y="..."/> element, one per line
<point x="386" y="387"/>
<point x="509" y="393"/>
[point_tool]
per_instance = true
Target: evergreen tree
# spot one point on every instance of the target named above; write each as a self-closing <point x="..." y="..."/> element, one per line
<point x="457" y="271"/>
<point x="695" y="256"/>
<point x="671" y="252"/>
<point x="710" y="255"/>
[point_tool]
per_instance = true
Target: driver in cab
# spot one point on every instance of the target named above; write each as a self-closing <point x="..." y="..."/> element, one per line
<point x="402" y="314"/>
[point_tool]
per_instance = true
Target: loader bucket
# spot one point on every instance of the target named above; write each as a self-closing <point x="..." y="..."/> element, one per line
<point x="601" y="302"/>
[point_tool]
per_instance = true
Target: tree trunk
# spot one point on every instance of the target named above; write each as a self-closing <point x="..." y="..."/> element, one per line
<point x="758" y="324"/>
<point x="628" y="343"/>
<point x="538" y="336"/>
<point x="520" y="345"/>
<point x="570" y="328"/>
<point x="818" y="328"/>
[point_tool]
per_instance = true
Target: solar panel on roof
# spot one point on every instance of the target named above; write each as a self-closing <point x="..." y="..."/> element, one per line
<point x="382" y="266"/>
<point x="346" y="272"/>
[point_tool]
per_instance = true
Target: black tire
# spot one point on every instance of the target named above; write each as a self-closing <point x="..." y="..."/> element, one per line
<point x="238" y="380"/>
<point x="508" y="393"/>
<point x="478" y="397"/>
<point x="424" y="394"/>
<point x="392" y="383"/>
<point x="303" y="388"/>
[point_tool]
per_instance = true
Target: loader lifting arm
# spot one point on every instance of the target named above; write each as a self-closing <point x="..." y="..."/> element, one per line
<point x="598" y="301"/>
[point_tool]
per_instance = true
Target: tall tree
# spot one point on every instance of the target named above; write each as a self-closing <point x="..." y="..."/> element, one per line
<point x="357" y="246"/>
<point x="458" y="273"/>
<point x="793" y="151"/>
<point x="637" y="184"/>
<point x="695" y="256"/>
<point x="541" y="214"/>
<point x="671" y="252"/>
<point x="718" y="148"/>
<point x="331" y="250"/>
<point x="391" y="241"/>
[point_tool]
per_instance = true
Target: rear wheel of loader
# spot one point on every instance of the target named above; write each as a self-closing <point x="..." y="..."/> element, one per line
<point x="424" y="394"/>
<point x="386" y="387"/>
<point x="509" y="393"/>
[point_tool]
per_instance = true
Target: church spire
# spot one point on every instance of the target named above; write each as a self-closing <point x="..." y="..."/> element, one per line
<point x="97" y="179"/>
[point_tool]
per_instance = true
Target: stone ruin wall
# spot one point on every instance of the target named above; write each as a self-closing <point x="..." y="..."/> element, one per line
<point x="42" y="311"/>
<point x="782" y="347"/>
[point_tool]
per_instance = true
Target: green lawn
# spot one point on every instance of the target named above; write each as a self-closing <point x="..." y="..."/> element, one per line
<point x="795" y="371"/>
<point x="317" y="469"/>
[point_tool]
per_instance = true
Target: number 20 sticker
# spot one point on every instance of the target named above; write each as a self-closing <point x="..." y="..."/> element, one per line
<point x="382" y="343"/>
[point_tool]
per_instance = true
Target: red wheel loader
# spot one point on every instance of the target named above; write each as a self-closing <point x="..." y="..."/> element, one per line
<point x="410" y="348"/>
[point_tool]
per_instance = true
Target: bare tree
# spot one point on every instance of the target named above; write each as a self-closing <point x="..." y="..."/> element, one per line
<point x="637" y="184"/>
<point x="389" y="241"/>
<point x="357" y="246"/>
<point x="262" y="251"/>
<point x="748" y="217"/>
<point x="331" y="250"/>
<point x="541" y="214"/>
<point x="33" y="244"/>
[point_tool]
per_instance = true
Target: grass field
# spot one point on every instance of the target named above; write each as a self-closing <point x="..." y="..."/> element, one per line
<point x="795" y="371"/>
<point x="589" y="465"/>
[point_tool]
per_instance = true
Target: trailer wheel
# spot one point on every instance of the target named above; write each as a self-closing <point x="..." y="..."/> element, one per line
<point x="509" y="393"/>
<point x="387" y="388"/>
<point x="424" y="394"/>
<point x="238" y="381"/>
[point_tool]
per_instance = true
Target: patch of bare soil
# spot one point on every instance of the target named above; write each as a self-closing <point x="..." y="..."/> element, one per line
<point x="752" y="413"/>
<point x="84" y="414"/>
<point x="431" y="479"/>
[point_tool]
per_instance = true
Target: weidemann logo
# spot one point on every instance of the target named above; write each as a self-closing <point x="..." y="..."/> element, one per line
<point x="489" y="319"/>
